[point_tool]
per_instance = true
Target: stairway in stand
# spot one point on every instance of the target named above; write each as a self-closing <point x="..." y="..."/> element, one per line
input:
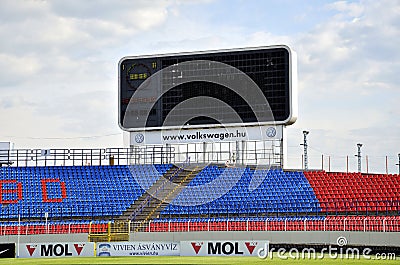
<point x="159" y="195"/>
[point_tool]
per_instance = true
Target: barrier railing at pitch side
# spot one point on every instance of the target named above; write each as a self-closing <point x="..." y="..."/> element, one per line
<point x="110" y="211"/>
<point x="361" y="224"/>
<point x="341" y="223"/>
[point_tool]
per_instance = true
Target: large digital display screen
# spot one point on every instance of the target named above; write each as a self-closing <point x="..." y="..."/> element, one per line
<point x="145" y="103"/>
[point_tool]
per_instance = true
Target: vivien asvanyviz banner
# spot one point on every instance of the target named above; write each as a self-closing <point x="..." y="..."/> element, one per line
<point x="227" y="134"/>
<point x="54" y="250"/>
<point x="223" y="248"/>
<point x="146" y="248"/>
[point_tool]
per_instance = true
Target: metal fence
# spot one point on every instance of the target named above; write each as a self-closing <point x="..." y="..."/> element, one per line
<point x="62" y="157"/>
<point x="110" y="212"/>
<point x="253" y="152"/>
<point x="346" y="223"/>
<point x="362" y="224"/>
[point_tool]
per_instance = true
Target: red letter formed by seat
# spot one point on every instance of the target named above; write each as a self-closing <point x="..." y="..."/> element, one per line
<point x="17" y="190"/>
<point x="44" y="190"/>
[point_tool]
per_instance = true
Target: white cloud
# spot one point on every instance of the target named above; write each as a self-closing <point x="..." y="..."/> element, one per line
<point x="18" y="68"/>
<point x="348" y="80"/>
<point x="57" y="78"/>
<point x="59" y="66"/>
<point x="347" y="9"/>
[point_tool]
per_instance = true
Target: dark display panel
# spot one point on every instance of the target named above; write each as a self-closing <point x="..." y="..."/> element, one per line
<point x="269" y="68"/>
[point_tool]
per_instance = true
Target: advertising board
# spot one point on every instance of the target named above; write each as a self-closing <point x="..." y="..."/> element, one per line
<point x="54" y="250"/>
<point x="138" y="249"/>
<point x="222" y="248"/>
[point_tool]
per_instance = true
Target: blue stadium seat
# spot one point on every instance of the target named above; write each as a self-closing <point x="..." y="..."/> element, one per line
<point x="90" y="190"/>
<point x="279" y="192"/>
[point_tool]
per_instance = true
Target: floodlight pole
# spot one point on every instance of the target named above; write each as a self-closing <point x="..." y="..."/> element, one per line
<point x="398" y="164"/>
<point x="359" y="156"/>
<point x="305" y="145"/>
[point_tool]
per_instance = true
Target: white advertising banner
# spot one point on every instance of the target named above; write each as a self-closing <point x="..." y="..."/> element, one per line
<point x="228" y="134"/>
<point x="53" y="250"/>
<point x="222" y="248"/>
<point x="138" y="249"/>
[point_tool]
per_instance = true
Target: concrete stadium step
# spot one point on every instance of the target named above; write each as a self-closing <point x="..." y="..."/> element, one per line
<point x="160" y="194"/>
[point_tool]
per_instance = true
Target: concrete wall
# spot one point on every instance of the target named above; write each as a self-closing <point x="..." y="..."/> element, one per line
<point x="289" y="237"/>
<point x="46" y="238"/>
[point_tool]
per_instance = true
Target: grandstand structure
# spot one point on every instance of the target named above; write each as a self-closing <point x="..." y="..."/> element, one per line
<point x="76" y="199"/>
<point x="110" y="194"/>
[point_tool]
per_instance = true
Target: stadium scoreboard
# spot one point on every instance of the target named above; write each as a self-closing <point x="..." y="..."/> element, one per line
<point x="272" y="69"/>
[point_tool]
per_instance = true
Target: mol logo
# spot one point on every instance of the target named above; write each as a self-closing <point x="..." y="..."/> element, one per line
<point x="221" y="248"/>
<point x="226" y="248"/>
<point x="197" y="246"/>
<point x="78" y="248"/>
<point x="31" y="249"/>
<point x="250" y="246"/>
<point x="56" y="250"/>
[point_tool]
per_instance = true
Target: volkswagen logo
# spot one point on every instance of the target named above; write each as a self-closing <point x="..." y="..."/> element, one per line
<point x="139" y="138"/>
<point x="271" y="132"/>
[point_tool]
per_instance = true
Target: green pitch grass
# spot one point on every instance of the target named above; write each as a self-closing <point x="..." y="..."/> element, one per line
<point x="190" y="260"/>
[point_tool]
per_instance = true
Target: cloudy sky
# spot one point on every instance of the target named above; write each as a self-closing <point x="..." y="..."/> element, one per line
<point x="58" y="61"/>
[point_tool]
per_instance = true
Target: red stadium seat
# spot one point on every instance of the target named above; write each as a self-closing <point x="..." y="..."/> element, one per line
<point x="354" y="192"/>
